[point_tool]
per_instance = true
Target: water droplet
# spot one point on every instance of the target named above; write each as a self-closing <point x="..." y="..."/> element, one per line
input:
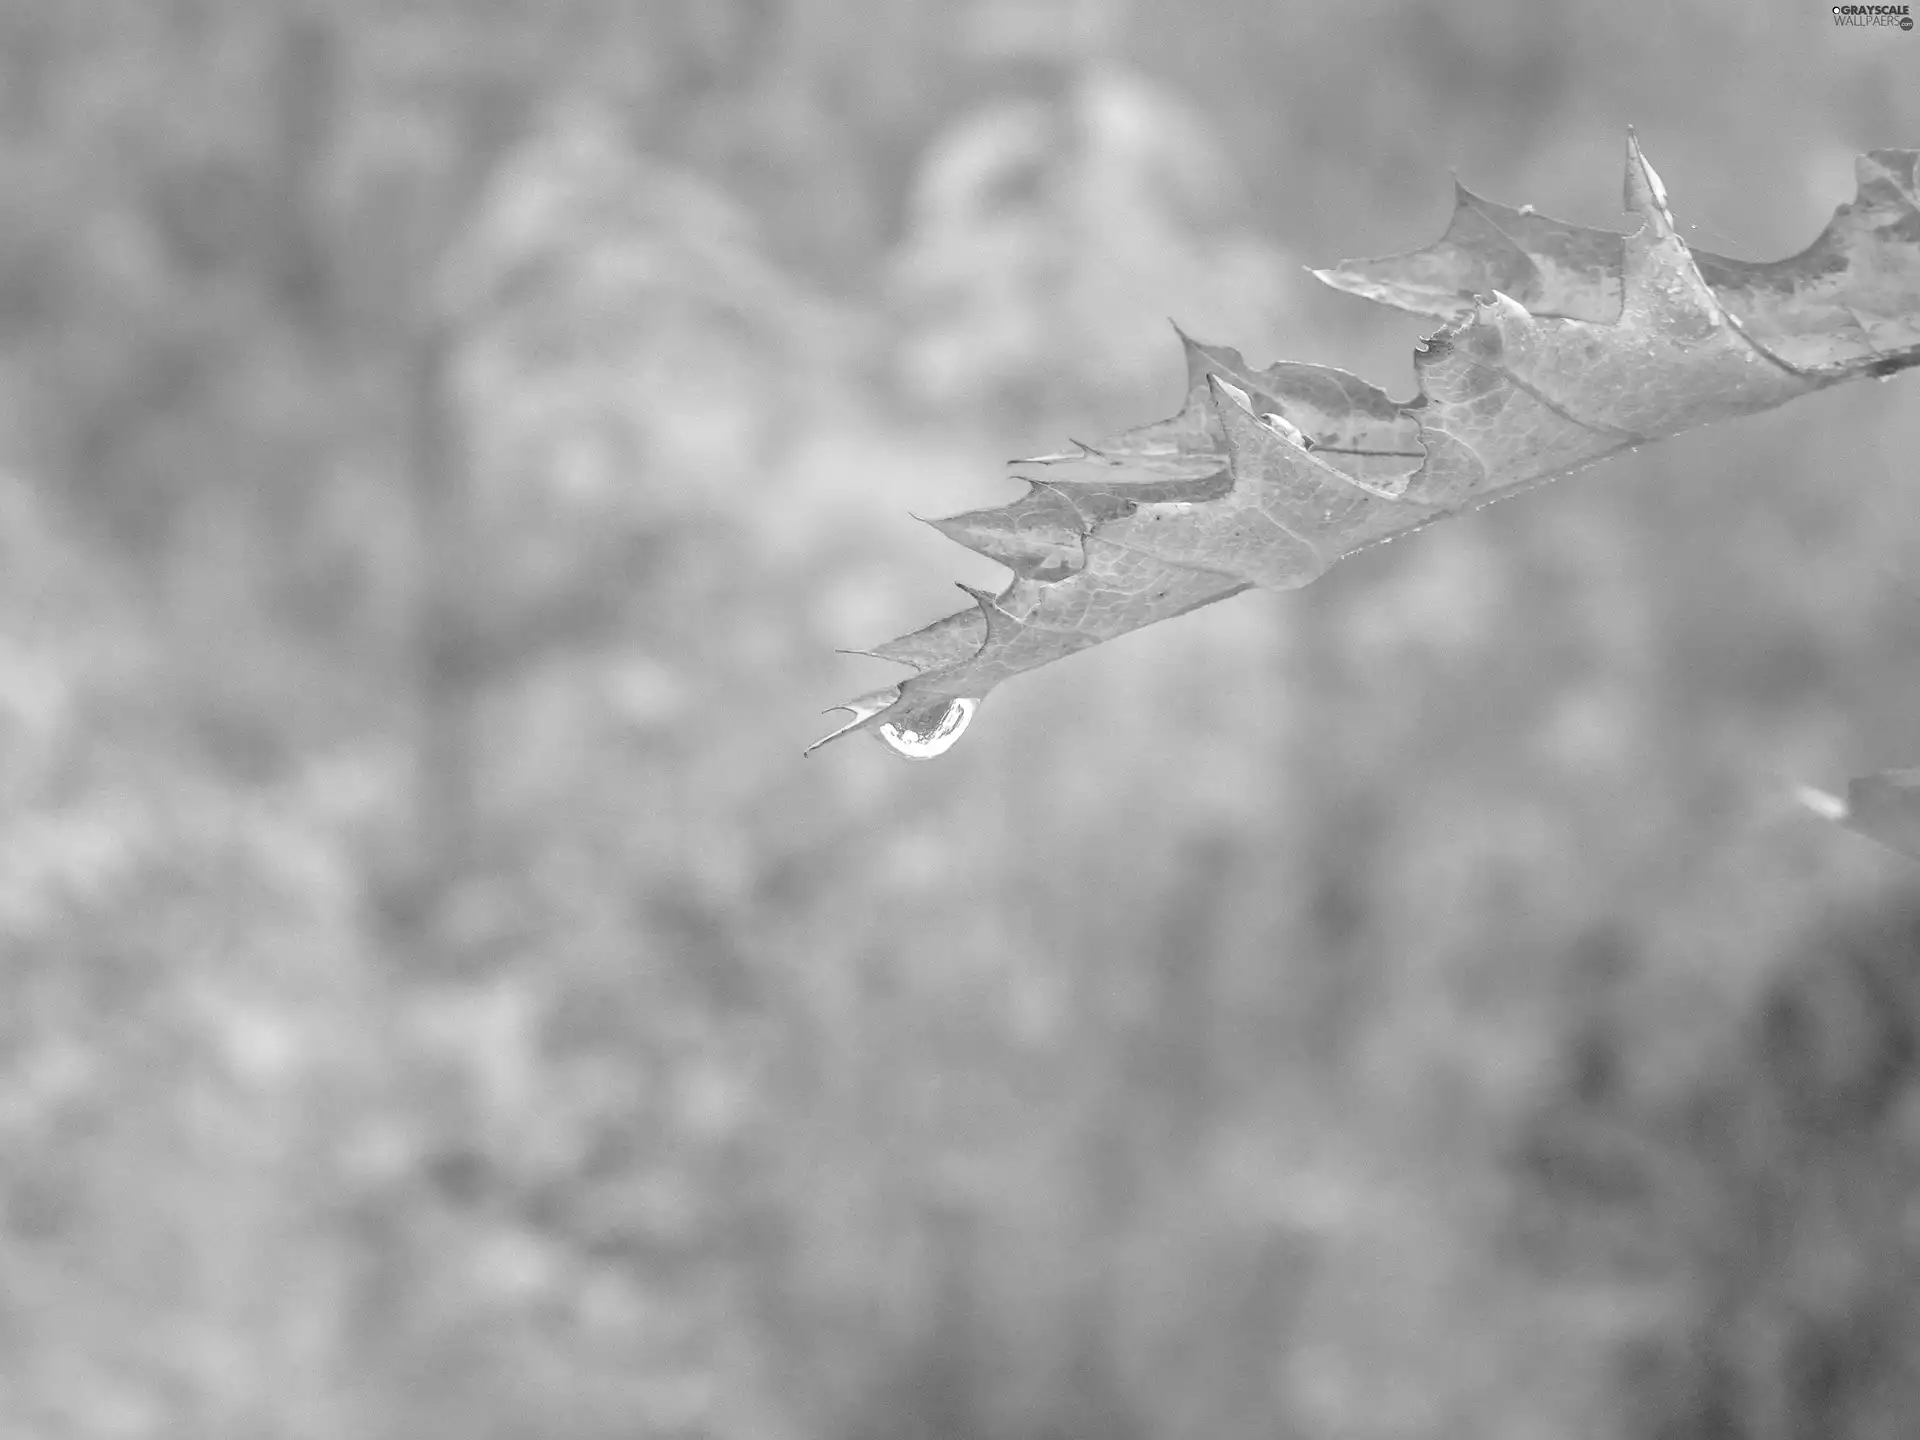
<point x="1241" y="398"/>
<point x="1285" y="428"/>
<point x="1826" y="806"/>
<point x="934" y="740"/>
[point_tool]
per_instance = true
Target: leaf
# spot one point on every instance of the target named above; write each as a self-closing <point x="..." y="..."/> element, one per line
<point x="1562" y="346"/>
<point x="1883" y="807"/>
<point x="1851" y="296"/>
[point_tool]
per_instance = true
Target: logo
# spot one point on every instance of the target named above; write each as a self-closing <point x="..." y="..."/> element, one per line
<point x="1888" y="15"/>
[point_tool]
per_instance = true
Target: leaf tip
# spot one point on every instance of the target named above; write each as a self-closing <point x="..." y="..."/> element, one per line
<point x="1219" y="390"/>
<point x="1349" y="277"/>
<point x="1000" y="625"/>
<point x="863" y="708"/>
<point x="1644" y="194"/>
<point x="833" y="735"/>
<point x="979" y="596"/>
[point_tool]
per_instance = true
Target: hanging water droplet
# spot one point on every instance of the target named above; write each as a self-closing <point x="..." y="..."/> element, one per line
<point x="938" y="736"/>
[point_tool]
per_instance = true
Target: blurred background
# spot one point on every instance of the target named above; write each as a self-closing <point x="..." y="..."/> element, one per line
<point x="441" y="446"/>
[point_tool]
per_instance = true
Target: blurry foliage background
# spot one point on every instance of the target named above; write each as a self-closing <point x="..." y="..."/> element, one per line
<point x="440" y="447"/>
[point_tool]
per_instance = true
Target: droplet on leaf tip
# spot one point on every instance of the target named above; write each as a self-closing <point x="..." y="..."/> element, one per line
<point x="1285" y="428"/>
<point x="1822" y="803"/>
<point x="925" y="745"/>
<point x="1239" y="396"/>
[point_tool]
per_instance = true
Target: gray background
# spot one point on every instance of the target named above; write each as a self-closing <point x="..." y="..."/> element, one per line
<point x="441" y="446"/>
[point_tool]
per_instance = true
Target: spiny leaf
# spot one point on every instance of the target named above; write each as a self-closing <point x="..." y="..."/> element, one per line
<point x="1852" y="296"/>
<point x="1335" y="412"/>
<point x="1562" y="346"/>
